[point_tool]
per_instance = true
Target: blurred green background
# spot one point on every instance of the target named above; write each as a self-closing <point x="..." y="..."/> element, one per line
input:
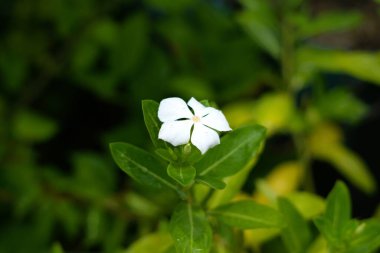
<point x="73" y="74"/>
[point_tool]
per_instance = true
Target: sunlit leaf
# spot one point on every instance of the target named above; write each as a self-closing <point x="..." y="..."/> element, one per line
<point x="233" y="153"/>
<point x="326" y="144"/>
<point x="156" y="242"/>
<point x="359" y="64"/>
<point x="273" y="110"/>
<point x="308" y="204"/>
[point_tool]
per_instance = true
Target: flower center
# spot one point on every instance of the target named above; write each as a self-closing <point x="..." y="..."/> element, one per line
<point x="196" y="119"/>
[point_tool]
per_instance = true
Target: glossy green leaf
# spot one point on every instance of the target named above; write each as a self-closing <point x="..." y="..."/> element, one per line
<point x="248" y="214"/>
<point x="182" y="174"/>
<point x="190" y="229"/>
<point x="152" y="123"/>
<point x="165" y="154"/>
<point x="296" y="235"/>
<point x="362" y="65"/>
<point x="212" y="182"/>
<point x="157" y="242"/>
<point x="141" y="165"/>
<point x="233" y="153"/>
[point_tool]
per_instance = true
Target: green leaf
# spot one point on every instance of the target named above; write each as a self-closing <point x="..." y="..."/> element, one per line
<point x="336" y="224"/>
<point x="57" y="248"/>
<point x="350" y="165"/>
<point x="141" y="165"/>
<point x="260" y="23"/>
<point x="353" y="167"/>
<point x="153" y="124"/>
<point x="234" y="152"/>
<point x="359" y="64"/>
<point x="338" y="207"/>
<point x="308" y="204"/>
<point x="182" y="174"/>
<point x="167" y="155"/>
<point x="340" y="104"/>
<point x="30" y="126"/>
<point x="367" y="237"/>
<point x="331" y="21"/>
<point x="248" y="215"/>
<point x="212" y="182"/>
<point x="157" y="242"/>
<point x="296" y="235"/>
<point x="190" y="229"/>
<point x="132" y="44"/>
<point x="233" y="186"/>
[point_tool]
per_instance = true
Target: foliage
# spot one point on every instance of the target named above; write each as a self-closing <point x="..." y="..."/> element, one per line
<point x="72" y="78"/>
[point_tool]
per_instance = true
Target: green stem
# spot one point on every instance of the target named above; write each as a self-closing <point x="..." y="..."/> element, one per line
<point x="288" y="61"/>
<point x="287" y="53"/>
<point x="305" y="160"/>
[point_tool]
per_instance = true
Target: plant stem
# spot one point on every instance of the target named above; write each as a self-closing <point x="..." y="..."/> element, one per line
<point x="288" y="61"/>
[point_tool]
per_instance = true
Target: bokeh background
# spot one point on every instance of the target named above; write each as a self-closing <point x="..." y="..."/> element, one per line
<point x="73" y="74"/>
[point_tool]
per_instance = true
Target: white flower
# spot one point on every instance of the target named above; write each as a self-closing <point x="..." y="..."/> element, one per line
<point x="178" y="121"/>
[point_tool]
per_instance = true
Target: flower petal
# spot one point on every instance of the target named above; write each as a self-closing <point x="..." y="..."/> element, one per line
<point x="204" y="138"/>
<point x="216" y="120"/>
<point x="199" y="109"/>
<point x="176" y="132"/>
<point x="172" y="109"/>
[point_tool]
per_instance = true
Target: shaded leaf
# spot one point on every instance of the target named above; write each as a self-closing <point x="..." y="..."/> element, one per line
<point x="141" y="165"/>
<point x="260" y="24"/>
<point x="296" y="235"/>
<point x="182" y="174"/>
<point x="30" y="126"/>
<point x="248" y="215"/>
<point x="342" y="105"/>
<point x="327" y="21"/>
<point x="190" y="229"/>
<point x="152" y="123"/>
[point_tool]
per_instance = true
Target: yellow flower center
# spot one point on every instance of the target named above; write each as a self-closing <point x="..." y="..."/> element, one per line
<point x="196" y="119"/>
